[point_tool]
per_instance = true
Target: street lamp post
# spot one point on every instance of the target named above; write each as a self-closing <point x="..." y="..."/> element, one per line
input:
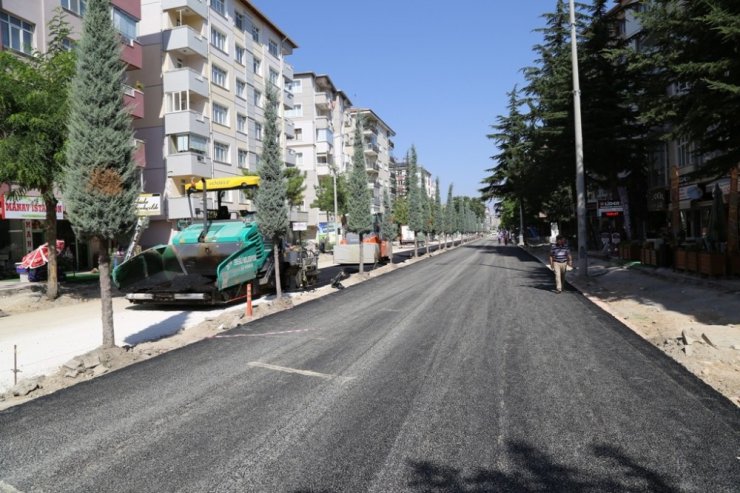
<point x="580" y="181"/>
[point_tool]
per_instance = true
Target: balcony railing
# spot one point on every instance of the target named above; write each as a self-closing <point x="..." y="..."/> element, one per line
<point x="134" y="99"/>
<point x="185" y="40"/>
<point x="288" y="99"/>
<point x="289" y="128"/>
<point x="287" y="71"/>
<point x="188" y="164"/>
<point x="322" y="100"/>
<point x="289" y="157"/>
<point x="198" y="7"/>
<point x="183" y="122"/>
<point x="132" y="53"/>
<point x="372" y="149"/>
<point x="185" y="79"/>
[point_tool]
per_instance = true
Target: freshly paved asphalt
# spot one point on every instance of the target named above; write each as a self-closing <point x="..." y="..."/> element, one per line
<point x="462" y="373"/>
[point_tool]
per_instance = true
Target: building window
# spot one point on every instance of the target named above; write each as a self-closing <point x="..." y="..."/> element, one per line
<point x="218" y="76"/>
<point x="240" y="21"/>
<point x="256" y="34"/>
<point x="298" y="134"/>
<point x="239" y="54"/>
<point x="125" y="24"/>
<point x="273" y="48"/>
<point x="274" y="77"/>
<point x="241" y="88"/>
<point x="296" y="112"/>
<point x="75" y="6"/>
<point x="257" y="66"/>
<point x="258" y="131"/>
<point x="242" y="158"/>
<point x="221" y="152"/>
<point x="298" y="158"/>
<point x="220" y="114"/>
<point x="296" y="87"/>
<point x="191" y="143"/>
<point x="69" y="44"/>
<point x="257" y="98"/>
<point x="17" y="34"/>
<point x="218" y="6"/>
<point x="241" y="123"/>
<point x="218" y="39"/>
<point x="177" y="101"/>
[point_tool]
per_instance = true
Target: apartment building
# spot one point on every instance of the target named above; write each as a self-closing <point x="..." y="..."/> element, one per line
<point x="378" y="148"/>
<point x="424" y="179"/>
<point x="24" y="29"/>
<point x="318" y="114"/>
<point x="207" y="70"/>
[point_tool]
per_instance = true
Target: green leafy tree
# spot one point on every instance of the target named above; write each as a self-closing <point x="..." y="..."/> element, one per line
<point x="33" y="130"/>
<point x="100" y="179"/>
<point x="360" y="220"/>
<point x="416" y="206"/>
<point x="295" y="186"/>
<point x="401" y="211"/>
<point x="324" y="200"/>
<point x="388" y="227"/>
<point x="271" y="198"/>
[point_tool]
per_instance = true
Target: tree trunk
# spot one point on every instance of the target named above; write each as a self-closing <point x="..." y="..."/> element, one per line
<point x="276" y="257"/>
<point x="52" y="283"/>
<point x="416" y="244"/>
<point x="362" y="259"/>
<point x="106" y="300"/>
<point x="732" y="233"/>
<point x="428" y="239"/>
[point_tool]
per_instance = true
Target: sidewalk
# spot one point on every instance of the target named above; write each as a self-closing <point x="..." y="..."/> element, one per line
<point x="694" y="320"/>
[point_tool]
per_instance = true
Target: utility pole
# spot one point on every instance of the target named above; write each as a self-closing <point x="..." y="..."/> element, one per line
<point x="580" y="180"/>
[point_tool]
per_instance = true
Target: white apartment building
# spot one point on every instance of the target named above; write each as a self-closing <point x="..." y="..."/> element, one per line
<point x="378" y="148"/>
<point x="206" y="69"/>
<point x="318" y="114"/>
<point x="423" y="178"/>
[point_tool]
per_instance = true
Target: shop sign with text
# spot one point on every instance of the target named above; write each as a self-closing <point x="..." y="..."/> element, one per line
<point x="149" y="204"/>
<point x="26" y="208"/>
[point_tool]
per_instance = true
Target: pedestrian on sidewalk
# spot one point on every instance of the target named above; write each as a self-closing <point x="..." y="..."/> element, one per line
<point x="560" y="260"/>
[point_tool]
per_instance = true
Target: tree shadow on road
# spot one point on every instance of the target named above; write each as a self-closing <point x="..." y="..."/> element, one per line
<point x="165" y="328"/>
<point x="533" y="470"/>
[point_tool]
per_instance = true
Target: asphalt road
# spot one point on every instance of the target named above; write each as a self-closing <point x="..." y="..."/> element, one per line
<point x="461" y="373"/>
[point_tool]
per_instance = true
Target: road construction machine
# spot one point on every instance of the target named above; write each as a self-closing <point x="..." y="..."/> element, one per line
<point x="214" y="258"/>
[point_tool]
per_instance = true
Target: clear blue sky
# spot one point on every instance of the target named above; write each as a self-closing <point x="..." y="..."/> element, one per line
<point x="436" y="72"/>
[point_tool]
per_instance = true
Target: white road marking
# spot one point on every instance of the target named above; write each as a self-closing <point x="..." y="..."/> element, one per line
<point x="325" y="376"/>
<point x="296" y="331"/>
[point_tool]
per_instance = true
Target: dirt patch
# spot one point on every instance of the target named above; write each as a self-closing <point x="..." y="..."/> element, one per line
<point x="33" y="297"/>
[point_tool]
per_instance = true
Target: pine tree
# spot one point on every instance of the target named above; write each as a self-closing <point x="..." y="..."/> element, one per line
<point x="33" y="126"/>
<point x="271" y="198"/>
<point x="416" y="207"/>
<point x="388" y="228"/>
<point x="100" y="181"/>
<point x="360" y="220"/>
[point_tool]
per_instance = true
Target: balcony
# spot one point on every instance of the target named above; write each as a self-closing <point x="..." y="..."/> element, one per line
<point x="185" y="80"/>
<point x="132" y="53"/>
<point x="289" y="157"/>
<point x="183" y="122"/>
<point x="187" y="7"/>
<point x="131" y="7"/>
<point x="322" y="123"/>
<point x="185" y="40"/>
<point x="179" y="207"/>
<point x="324" y="147"/>
<point x="323" y="101"/>
<point x="188" y="164"/>
<point x="134" y="99"/>
<point x="287" y="71"/>
<point x="372" y="149"/>
<point x="289" y="128"/>
<point x="139" y="153"/>
<point x="288" y="99"/>
<point x="372" y="168"/>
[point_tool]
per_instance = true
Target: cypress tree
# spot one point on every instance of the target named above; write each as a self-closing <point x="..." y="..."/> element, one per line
<point x="388" y="228"/>
<point x="438" y="224"/>
<point x="360" y="219"/>
<point x="271" y="197"/>
<point x="449" y="225"/>
<point x="416" y="207"/>
<point x="100" y="180"/>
